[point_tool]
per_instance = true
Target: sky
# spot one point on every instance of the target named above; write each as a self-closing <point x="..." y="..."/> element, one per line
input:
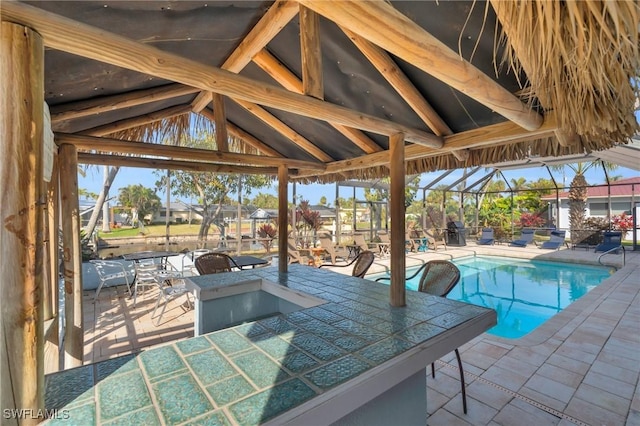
<point x="92" y="182"/>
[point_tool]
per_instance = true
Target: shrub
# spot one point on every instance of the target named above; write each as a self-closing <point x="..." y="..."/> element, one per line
<point x="267" y="233"/>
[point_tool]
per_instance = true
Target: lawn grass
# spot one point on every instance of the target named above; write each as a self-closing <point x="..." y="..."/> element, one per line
<point x="155" y="230"/>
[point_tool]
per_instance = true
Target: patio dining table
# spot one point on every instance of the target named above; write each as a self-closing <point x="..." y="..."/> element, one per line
<point x="149" y="254"/>
<point x="245" y="262"/>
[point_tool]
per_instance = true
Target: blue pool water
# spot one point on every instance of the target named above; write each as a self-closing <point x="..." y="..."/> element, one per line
<point x="524" y="293"/>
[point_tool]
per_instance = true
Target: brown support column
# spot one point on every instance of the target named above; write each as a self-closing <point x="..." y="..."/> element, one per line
<point x="397" y="199"/>
<point x="72" y="256"/>
<point x="283" y="223"/>
<point x="21" y="216"/>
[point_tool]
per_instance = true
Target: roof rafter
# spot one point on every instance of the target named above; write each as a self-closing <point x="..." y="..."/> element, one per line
<point x="141" y="120"/>
<point x="80" y="39"/>
<point x="290" y="81"/>
<point x="383" y="25"/>
<point x="494" y="135"/>
<point x="71" y="110"/>
<point x="92" y="143"/>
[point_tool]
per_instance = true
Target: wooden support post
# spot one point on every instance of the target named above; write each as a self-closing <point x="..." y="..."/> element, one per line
<point x="283" y="223"/>
<point x="52" y="262"/>
<point x="72" y="255"/>
<point x="21" y="215"/>
<point x="397" y="200"/>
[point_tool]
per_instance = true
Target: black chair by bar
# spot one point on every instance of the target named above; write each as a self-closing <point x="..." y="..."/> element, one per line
<point x="362" y="262"/>
<point x="213" y="263"/>
<point x="438" y="278"/>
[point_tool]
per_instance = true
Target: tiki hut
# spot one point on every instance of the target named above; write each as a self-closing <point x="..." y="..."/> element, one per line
<point x="308" y="91"/>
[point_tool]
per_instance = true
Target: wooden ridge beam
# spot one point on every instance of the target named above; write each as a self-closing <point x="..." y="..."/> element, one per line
<point x="155" y="163"/>
<point x="220" y="120"/>
<point x="484" y="137"/>
<point x="246" y="137"/>
<point x="383" y="25"/>
<point x="290" y="81"/>
<point x="92" y="143"/>
<point x="84" y="40"/>
<point x="271" y="23"/>
<point x="141" y="120"/>
<point x="71" y="110"/>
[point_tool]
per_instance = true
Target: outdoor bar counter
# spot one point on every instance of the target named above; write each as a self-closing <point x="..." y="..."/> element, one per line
<point x="311" y="347"/>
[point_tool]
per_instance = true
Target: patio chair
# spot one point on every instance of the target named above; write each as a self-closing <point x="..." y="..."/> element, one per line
<point x="435" y="238"/>
<point x="110" y="271"/>
<point x="610" y="240"/>
<point x="334" y="251"/>
<point x="486" y="238"/>
<point x="438" y="278"/>
<point x="213" y="263"/>
<point x="363" y="262"/>
<point x="294" y="254"/>
<point x="556" y="240"/>
<point x="175" y="289"/>
<point x="384" y="246"/>
<point x="146" y="270"/>
<point x="358" y="239"/>
<point x="526" y="237"/>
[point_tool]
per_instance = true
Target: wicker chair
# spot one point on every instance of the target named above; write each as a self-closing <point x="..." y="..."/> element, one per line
<point x="363" y="262"/>
<point x="213" y="263"/>
<point x="438" y="278"/>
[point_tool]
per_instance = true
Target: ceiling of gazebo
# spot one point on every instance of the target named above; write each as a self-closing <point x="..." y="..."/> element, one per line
<point x="326" y="108"/>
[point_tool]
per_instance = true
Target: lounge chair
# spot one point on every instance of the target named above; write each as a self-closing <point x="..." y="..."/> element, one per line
<point x="334" y="251"/>
<point x="486" y="238"/>
<point x="213" y="263"/>
<point x="362" y="264"/>
<point x="358" y="240"/>
<point x="293" y="253"/>
<point x="526" y="237"/>
<point x="439" y="277"/>
<point x="435" y="238"/>
<point x="610" y="240"/>
<point x="555" y="241"/>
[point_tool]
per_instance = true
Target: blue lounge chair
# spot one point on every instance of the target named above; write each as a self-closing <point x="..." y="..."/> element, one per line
<point x="556" y="240"/>
<point x="486" y="238"/>
<point x="526" y="237"/>
<point x="610" y="240"/>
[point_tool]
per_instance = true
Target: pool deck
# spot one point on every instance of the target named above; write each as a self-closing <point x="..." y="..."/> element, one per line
<point x="581" y="367"/>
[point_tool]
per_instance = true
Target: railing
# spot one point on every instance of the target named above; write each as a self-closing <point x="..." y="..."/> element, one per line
<point x="624" y="255"/>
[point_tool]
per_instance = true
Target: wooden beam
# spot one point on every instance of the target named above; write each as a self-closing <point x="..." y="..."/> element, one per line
<point x="80" y="39"/>
<point x="21" y="215"/>
<point x="72" y="256"/>
<point x="246" y="137"/>
<point x="141" y="120"/>
<point x="397" y="171"/>
<point x="290" y="81"/>
<point x="102" y="104"/>
<point x="286" y="131"/>
<point x="163" y="164"/>
<point x="311" y="53"/>
<point x="283" y="222"/>
<point x="484" y="137"/>
<point x="380" y="23"/>
<point x="401" y="83"/>
<point x="220" y="120"/>
<point x="278" y="71"/>
<point x="91" y="143"/>
<point x="271" y="23"/>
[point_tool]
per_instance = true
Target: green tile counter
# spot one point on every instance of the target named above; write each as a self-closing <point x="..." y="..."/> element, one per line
<point x="345" y="360"/>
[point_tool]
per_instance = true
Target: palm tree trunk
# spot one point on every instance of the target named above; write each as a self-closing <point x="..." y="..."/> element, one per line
<point x="100" y="201"/>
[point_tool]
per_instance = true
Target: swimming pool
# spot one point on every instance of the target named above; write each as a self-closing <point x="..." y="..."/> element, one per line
<point x="524" y="293"/>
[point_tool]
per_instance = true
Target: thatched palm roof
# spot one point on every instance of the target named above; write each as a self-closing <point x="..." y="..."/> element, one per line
<point x="322" y="85"/>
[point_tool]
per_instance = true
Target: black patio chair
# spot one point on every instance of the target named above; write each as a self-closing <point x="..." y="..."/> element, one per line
<point x="213" y="263"/>
<point x="363" y="262"/>
<point x="438" y="278"/>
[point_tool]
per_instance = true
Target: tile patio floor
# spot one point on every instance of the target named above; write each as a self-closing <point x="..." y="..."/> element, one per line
<point x="580" y="367"/>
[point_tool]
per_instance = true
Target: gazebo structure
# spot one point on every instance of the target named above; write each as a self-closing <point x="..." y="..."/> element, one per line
<point x="304" y="90"/>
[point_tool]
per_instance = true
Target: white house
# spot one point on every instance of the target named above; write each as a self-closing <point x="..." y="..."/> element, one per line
<point x="623" y="196"/>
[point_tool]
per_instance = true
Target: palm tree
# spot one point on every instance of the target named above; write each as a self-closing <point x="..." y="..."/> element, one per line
<point x="140" y="199"/>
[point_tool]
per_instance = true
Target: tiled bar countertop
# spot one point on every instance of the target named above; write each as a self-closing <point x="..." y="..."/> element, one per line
<point x="287" y="368"/>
